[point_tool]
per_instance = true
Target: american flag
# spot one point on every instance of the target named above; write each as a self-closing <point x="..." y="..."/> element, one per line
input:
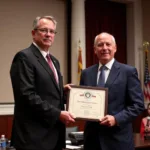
<point x="146" y="80"/>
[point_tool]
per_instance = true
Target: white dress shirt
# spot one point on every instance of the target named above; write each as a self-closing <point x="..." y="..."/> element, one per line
<point x="106" y="71"/>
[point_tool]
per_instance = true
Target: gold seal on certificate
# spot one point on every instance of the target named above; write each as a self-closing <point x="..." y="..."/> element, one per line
<point x="87" y="103"/>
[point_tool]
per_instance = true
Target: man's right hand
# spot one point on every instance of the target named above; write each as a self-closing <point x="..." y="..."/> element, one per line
<point x="66" y="117"/>
<point x="147" y="129"/>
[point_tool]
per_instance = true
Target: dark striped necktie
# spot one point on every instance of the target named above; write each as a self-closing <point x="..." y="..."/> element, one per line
<point x="101" y="81"/>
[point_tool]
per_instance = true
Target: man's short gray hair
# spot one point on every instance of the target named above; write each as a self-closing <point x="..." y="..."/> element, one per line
<point x="113" y="39"/>
<point x="37" y="19"/>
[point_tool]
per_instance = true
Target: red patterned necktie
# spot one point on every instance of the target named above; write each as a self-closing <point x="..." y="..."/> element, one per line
<point x="51" y="66"/>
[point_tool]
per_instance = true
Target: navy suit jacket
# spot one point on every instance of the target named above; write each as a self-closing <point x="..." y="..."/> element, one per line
<point x="38" y="102"/>
<point x="125" y="102"/>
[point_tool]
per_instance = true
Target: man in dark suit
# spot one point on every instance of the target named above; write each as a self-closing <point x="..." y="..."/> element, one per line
<point x="125" y="99"/>
<point x="39" y="116"/>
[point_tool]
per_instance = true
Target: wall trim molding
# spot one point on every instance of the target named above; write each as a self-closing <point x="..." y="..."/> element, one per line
<point x="6" y="109"/>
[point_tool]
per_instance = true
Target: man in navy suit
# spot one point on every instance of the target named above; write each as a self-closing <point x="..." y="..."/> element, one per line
<point x="39" y="116"/>
<point x="125" y="99"/>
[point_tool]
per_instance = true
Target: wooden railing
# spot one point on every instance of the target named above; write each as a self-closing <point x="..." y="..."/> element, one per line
<point x="7" y="120"/>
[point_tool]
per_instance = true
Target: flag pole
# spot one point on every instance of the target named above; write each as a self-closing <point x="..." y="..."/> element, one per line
<point x="146" y="75"/>
<point x="145" y="46"/>
<point x="79" y="60"/>
<point x="79" y="45"/>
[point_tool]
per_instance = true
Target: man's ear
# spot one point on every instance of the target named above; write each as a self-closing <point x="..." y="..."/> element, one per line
<point x="33" y="32"/>
<point x="95" y="50"/>
<point x="115" y="47"/>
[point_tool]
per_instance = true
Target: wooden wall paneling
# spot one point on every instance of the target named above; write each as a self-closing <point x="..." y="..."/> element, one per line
<point x="79" y="123"/>
<point x="6" y="122"/>
<point x="9" y="126"/>
<point x="6" y="125"/>
<point x="3" y="125"/>
<point x="137" y="122"/>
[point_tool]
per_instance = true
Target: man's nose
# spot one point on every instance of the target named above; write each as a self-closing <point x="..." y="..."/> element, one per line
<point x="104" y="46"/>
<point x="48" y="33"/>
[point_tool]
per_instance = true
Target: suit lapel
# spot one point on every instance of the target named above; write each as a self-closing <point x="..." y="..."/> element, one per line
<point x="114" y="72"/>
<point x="91" y="79"/>
<point x="43" y="62"/>
<point x="94" y="75"/>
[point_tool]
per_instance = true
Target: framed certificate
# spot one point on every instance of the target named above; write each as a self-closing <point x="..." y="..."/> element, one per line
<point x="87" y="103"/>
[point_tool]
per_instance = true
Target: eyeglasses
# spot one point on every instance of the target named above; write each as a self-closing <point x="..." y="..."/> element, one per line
<point x="45" y="31"/>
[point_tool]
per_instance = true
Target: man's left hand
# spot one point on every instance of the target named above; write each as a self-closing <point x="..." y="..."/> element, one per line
<point x="108" y="120"/>
<point x="67" y="87"/>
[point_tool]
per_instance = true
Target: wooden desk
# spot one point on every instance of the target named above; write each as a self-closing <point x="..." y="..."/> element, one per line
<point x="140" y="143"/>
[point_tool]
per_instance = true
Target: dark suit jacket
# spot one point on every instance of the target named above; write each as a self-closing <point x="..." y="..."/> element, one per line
<point x="125" y="102"/>
<point x="38" y="102"/>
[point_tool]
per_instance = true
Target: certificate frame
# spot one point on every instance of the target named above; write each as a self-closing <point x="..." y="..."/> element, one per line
<point x="87" y="102"/>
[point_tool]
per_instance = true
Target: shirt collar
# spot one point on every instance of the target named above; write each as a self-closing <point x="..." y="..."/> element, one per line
<point x="108" y="65"/>
<point x="42" y="51"/>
